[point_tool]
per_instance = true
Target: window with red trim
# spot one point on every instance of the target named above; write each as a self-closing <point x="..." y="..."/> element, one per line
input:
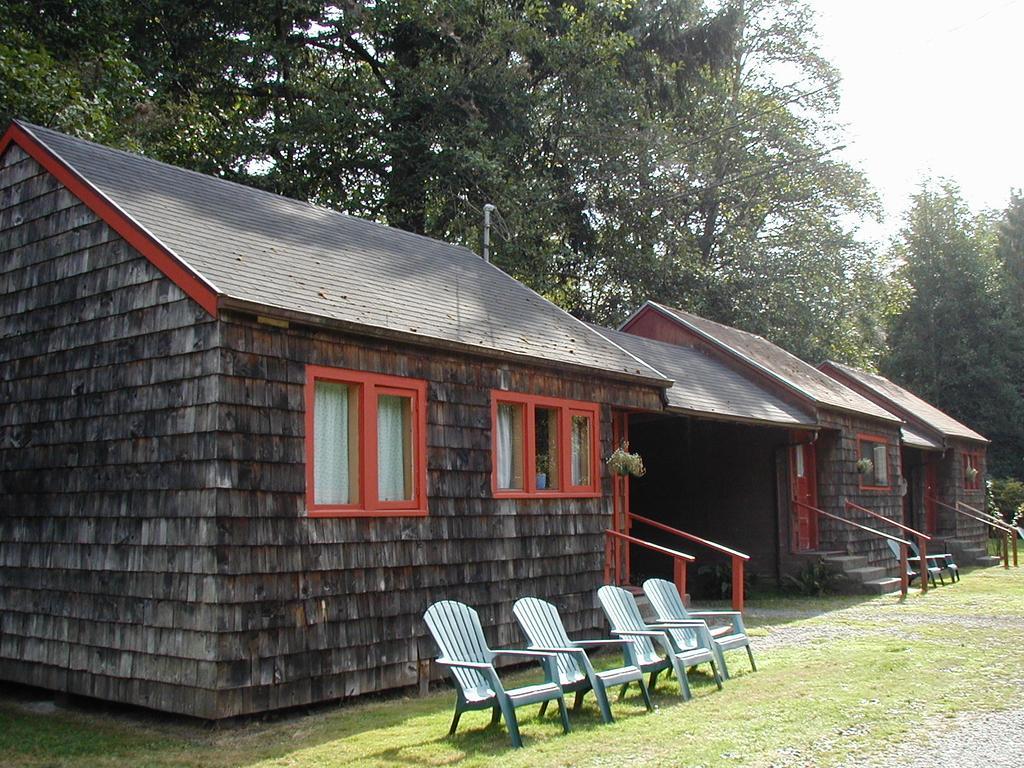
<point x="543" y="446"/>
<point x="972" y="471"/>
<point x="366" y="444"/>
<point x="873" y="463"/>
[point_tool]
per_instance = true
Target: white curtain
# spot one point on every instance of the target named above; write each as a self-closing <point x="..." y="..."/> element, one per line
<point x="881" y="468"/>
<point x="580" y="450"/>
<point x="506" y="417"/>
<point x="331" y="444"/>
<point x="393" y="448"/>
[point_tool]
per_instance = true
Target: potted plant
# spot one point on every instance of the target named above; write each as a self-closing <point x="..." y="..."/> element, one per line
<point x="543" y="467"/>
<point x="864" y="466"/>
<point x="622" y="462"/>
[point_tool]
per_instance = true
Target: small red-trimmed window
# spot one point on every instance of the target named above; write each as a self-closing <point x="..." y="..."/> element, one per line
<point x="543" y="446"/>
<point x="873" y="463"/>
<point x="972" y="471"/>
<point x="365" y="444"/>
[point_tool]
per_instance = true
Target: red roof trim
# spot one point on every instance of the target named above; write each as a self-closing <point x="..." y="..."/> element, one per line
<point x="159" y="255"/>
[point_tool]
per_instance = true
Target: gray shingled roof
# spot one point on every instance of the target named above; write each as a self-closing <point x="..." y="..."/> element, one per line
<point x="905" y="401"/>
<point x="706" y="386"/>
<point x="793" y="372"/>
<point x="274" y="252"/>
<point x="917" y="439"/>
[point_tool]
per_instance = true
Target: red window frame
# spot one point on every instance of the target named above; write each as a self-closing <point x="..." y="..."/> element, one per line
<point x="369" y="387"/>
<point x="865" y="438"/>
<point x="566" y="410"/>
<point x="972" y="459"/>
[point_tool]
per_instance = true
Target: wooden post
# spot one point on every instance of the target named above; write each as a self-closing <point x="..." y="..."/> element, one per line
<point x="1006" y="550"/>
<point x="680" y="576"/>
<point x="423" y="670"/>
<point x="904" y="579"/>
<point x="608" y="549"/>
<point x="737" y="584"/>
<point x="923" y="548"/>
<point x="1013" y="538"/>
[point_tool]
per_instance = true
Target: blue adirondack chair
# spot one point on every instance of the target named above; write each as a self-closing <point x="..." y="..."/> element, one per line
<point x="669" y="606"/>
<point x="543" y="627"/>
<point x="931" y="570"/>
<point x="464" y="651"/>
<point x="624" y="616"/>
<point x="943" y="561"/>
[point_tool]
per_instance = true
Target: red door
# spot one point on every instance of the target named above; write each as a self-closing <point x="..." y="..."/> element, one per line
<point x="931" y="492"/>
<point x="805" y="490"/>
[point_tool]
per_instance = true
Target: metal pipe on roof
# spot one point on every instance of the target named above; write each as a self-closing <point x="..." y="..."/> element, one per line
<point x="488" y="209"/>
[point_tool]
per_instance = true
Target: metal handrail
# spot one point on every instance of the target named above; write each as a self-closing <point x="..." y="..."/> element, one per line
<point x="679" y="559"/>
<point x="737" y="558"/>
<point x="922" y="538"/>
<point x="904" y="578"/>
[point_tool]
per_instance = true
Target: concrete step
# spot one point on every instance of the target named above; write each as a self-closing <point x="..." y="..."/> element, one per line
<point x="848" y="563"/>
<point x="882" y="586"/>
<point x="867" y="573"/>
<point x="987" y="560"/>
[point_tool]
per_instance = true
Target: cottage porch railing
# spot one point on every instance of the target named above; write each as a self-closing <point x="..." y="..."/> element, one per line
<point x="613" y="540"/>
<point x="738" y="559"/>
<point x="922" y="538"/>
<point x="1009" y="533"/>
<point x="903" y="543"/>
<point x="1010" y="537"/>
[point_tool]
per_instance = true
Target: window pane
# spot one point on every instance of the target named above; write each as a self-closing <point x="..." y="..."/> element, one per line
<point x="545" y="422"/>
<point x="335" y="441"/>
<point x="394" y="448"/>
<point x="581" y="446"/>
<point x="510" y="446"/>
<point x="799" y="451"/>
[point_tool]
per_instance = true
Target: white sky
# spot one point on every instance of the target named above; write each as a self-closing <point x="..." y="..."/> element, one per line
<point x="930" y="88"/>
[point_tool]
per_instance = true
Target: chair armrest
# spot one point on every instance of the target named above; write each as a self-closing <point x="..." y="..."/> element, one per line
<point x="524" y="653"/>
<point x="735" y="618"/>
<point x="556" y="649"/>
<point x="639" y="633"/>
<point x="599" y="643"/>
<point x="679" y="623"/>
<point x="478" y="665"/>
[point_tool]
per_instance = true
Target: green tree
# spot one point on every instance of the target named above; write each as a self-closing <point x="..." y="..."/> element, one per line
<point x="950" y="344"/>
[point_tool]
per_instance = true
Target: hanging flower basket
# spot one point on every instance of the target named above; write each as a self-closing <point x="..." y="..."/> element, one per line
<point x="971" y="472"/>
<point x="622" y="462"/>
<point x="864" y="466"/>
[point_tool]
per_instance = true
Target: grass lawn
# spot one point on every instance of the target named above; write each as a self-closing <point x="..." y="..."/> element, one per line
<point x="838" y="678"/>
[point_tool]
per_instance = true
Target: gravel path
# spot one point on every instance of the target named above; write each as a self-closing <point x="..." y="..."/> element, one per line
<point x="973" y="740"/>
<point x="969" y="740"/>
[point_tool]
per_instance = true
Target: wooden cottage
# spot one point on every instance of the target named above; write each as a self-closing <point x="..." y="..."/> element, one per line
<point x="245" y="441"/>
<point x="942" y="462"/>
<point x="749" y="467"/>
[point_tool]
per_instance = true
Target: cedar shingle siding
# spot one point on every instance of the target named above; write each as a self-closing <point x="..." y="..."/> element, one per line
<point x="154" y="547"/>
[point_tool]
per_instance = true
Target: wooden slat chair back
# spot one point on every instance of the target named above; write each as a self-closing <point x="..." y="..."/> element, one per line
<point x="944" y="562"/>
<point x="647" y="640"/>
<point x="459" y="635"/>
<point x="729" y="636"/>
<point x="544" y="629"/>
<point x="932" y="571"/>
<point x="624" y="616"/>
<point x="457" y="631"/>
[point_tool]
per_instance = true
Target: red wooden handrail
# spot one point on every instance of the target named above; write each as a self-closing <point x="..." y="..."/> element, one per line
<point x="679" y="559"/>
<point x="904" y="580"/>
<point x="738" y="558"/>
<point x="922" y="538"/>
<point x="1011" y="533"/>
